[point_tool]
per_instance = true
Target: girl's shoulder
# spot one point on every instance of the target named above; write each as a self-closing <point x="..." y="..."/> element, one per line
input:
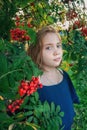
<point x="63" y="72"/>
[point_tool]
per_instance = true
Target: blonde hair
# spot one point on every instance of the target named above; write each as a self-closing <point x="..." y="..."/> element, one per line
<point x="35" y="51"/>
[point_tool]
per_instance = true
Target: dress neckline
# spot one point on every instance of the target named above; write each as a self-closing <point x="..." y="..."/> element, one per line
<point x="55" y="84"/>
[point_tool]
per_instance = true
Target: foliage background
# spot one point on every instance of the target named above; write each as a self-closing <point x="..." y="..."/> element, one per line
<point x="16" y="65"/>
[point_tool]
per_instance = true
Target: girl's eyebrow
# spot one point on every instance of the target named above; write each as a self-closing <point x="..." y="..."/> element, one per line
<point x="51" y="43"/>
<point x="48" y="44"/>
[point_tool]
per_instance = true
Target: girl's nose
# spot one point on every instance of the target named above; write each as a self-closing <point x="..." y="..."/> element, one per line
<point x="56" y="52"/>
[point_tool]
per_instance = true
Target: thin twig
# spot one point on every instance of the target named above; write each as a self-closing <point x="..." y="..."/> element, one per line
<point x="9" y="73"/>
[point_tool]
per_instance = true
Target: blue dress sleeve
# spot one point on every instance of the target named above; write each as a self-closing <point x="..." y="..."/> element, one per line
<point x="73" y="93"/>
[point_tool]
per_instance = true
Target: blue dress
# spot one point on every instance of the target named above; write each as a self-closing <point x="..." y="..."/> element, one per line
<point x="62" y="94"/>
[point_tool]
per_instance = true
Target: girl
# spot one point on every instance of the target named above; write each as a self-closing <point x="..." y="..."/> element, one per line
<point x="57" y="86"/>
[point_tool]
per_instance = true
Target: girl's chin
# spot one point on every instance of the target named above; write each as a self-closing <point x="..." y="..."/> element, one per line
<point x="58" y="63"/>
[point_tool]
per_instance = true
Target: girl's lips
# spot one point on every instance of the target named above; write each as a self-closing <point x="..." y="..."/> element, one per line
<point x="57" y="59"/>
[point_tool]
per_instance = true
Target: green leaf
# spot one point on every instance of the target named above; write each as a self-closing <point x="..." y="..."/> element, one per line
<point x="52" y="108"/>
<point x="61" y="114"/>
<point x="26" y="99"/>
<point x="32" y="100"/>
<point x="2" y="45"/>
<point x="50" y="19"/>
<point x="36" y="96"/>
<point x="46" y="107"/>
<point x="29" y="113"/>
<point x="59" y="120"/>
<point x="35" y="120"/>
<point x="30" y="119"/>
<point x="28" y="107"/>
<point x="4" y="84"/>
<point x="58" y="109"/>
<point x="4" y="117"/>
<point x="38" y="111"/>
<point x="2" y="105"/>
<point x="32" y="35"/>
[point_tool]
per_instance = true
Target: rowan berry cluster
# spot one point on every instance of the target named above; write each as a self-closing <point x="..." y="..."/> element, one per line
<point x="18" y="23"/>
<point x="15" y="105"/>
<point x="71" y="14"/>
<point x="25" y="89"/>
<point x="77" y="24"/>
<point x="84" y="31"/>
<point x="19" y="35"/>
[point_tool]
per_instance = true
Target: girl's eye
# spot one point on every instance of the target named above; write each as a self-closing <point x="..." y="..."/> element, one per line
<point x="48" y="48"/>
<point x="59" y="46"/>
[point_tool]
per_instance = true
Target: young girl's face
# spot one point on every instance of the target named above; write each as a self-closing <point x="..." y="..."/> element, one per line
<point x="51" y="51"/>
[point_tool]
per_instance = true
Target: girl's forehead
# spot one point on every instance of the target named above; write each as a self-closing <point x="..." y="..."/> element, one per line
<point x="51" y="38"/>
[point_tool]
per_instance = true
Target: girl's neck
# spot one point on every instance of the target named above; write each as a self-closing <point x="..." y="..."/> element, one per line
<point x="51" y="77"/>
<point x="50" y="71"/>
